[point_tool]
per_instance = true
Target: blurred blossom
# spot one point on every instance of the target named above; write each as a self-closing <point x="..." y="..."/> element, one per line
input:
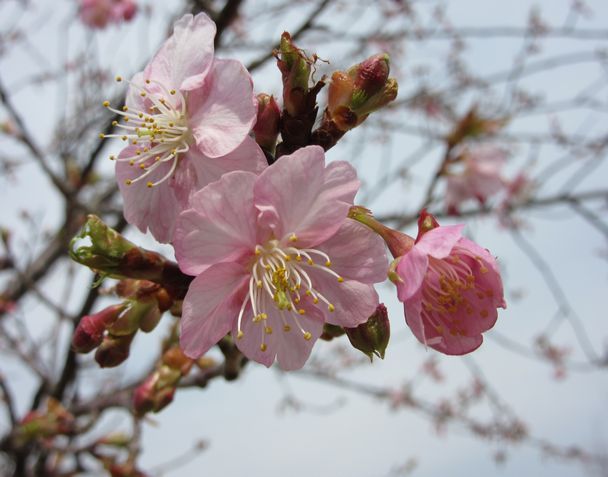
<point x="186" y="121"/>
<point x="276" y="257"/>
<point x="98" y="13"/>
<point x="479" y="178"/>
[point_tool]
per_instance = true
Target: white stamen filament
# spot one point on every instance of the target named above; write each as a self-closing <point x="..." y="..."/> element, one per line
<point x="276" y="279"/>
<point x="161" y="134"/>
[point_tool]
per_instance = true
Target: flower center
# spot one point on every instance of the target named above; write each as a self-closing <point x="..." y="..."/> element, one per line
<point x="280" y="278"/>
<point x="160" y="134"/>
<point x="451" y="291"/>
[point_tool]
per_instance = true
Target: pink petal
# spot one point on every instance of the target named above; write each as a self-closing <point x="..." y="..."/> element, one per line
<point x="246" y="157"/>
<point x="298" y="195"/>
<point x="354" y="302"/>
<point x="153" y="208"/>
<point x="210" y="307"/>
<point x="292" y="349"/>
<point x="440" y="241"/>
<point x="224" y="111"/>
<point x="357" y="253"/>
<point x="186" y="57"/>
<point x="411" y="269"/>
<point x="428" y="335"/>
<point x="254" y="335"/>
<point x="220" y="226"/>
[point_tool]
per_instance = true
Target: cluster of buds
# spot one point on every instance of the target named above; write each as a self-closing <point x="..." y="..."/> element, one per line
<point x="108" y="253"/>
<point x="353" y="95"/>
<point x="43" y="425"/>
<point x="112" y="329"/>
<point x="158" y="389"/>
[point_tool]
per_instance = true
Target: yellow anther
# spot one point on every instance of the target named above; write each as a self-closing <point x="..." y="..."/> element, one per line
<point x="268" y="330"/>
<point x="172" y="91"/>
<point x="257" y="319"/>
<point x="307" y="336"/>
<point x="240" y="335"/>
<point x="118" y="79"/>
<point x="171" y="125"/>
<point x="102" y="136"/>
<point x="310" y="262"/>
<point x="114" y="123"/>
<point x="289" y="307"/>
<point x="128" y="182"/>
<point x="340" y="279"/>
<point x="147" y="81"/>
<point x="132" y="162"/>
<point x="157" y="158"/>
<point x="142" y="166"/>
<point x="302" y="311"/>
<point x="259" y="284"/>
<point x="315" y="300"/>
<point x="143" y="94"/>
<point x="293" y="238"/>
<point x="298" y="258"/>
<point x="134" y="142"/>
<point x="258" y="252"/>
<point x="263" y="347"/>
<point x="331" y="308"/>
<point x="286" y="328"/>
<point x="125" y="108"/>
<point x="296" y="300"/>
<point x="112" y="157"/>
<point x="328" y="263"/>
<point x="106" y="104"/>
<point x="307" y="293"/>
<point x="149" y="184"/>
<point x="263" y="316"/>
<point x="288" y="258"/>
<point x="138" y="152"/>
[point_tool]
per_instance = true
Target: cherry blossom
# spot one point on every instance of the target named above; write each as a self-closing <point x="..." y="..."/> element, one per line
<point x="275" y="257"/>
<point x="186" y="121"/>
<point x="450" y="287"/>
<point x="479" y="179"/>
<point x="98" y="13"/>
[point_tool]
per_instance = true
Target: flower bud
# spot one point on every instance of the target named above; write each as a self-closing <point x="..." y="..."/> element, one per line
<point x="91" y="328"/>
<point x="175" y="358"/>
<point x="372" y="336"/>
<point x="295" y="69"/>
<point x="113" y="350"/>
<point x="266" y="129"/>
<point x="151" y="397"/>
<point x="361" y="90"/>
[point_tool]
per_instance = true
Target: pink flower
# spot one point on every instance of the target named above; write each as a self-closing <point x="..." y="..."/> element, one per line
<point x="276" y="257"/>
<point x="98" y="13"/>
<point x="450" y="287"/>
<point x="187" y="121"/>
<point x="480" y="178"/>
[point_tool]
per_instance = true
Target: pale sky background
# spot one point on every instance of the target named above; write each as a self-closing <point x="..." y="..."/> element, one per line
<point x="346" y="433"/>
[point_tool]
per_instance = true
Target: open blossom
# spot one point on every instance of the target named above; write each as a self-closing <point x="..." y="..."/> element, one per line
<point x="275" y="257"/>
<point x="186" y="120"/>
<point x="450" y="287"/>
<point x="98" y="13"/>
<point x="480" y="178"/>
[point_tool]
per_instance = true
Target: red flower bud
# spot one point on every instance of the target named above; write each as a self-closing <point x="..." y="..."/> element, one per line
<point x="266" y="129"/>
<point x="89" y="332"/>
<point x="113" y="350"/>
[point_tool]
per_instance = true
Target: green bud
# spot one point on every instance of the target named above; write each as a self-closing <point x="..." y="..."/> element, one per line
<point x="372" y="336"/>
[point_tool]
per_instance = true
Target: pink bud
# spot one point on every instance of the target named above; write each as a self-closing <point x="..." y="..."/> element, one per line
<point x="113" y="350"/>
